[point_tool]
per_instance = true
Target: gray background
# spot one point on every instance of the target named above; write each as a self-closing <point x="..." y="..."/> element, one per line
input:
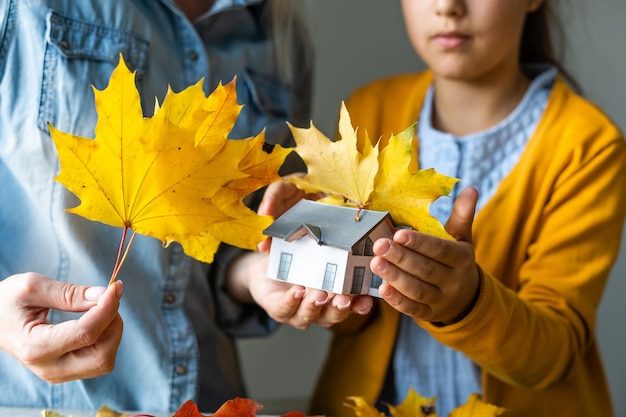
<point x="361" y="40"/>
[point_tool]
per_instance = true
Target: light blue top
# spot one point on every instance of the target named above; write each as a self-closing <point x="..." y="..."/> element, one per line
<point x="481" y="160"/>
<point x="178" y="323"/>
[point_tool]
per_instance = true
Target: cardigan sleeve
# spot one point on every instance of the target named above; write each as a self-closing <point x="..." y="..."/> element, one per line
<point x="546" y="245"/>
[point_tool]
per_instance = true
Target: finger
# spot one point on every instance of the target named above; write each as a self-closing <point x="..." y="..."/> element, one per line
<point x="279" y="197"/>
<point x="56" y="340"/>
<point x="50" y="293"/>
<point x="403" y="304"/>
<point x="410" y="255"/>
<point x="337" y="309"/>
<point x="424" y="247"/>
<point x="459" y="225"/>
<point x="265" y="245"/>
<point x="283" y="307"/>
<point x="310" y="309"/>
<point x="362" y="304"/>
<point x="343" y="306"/>
<point x="87" y="362"/>
<point x="409" y="285"/>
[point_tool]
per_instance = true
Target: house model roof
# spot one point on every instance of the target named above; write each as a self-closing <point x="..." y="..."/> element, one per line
<point x="328" y="224"/>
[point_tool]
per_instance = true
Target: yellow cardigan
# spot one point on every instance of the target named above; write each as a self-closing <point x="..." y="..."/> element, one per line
<point x="545" y="243"/>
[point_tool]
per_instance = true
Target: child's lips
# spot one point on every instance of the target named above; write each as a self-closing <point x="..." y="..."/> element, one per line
<point x="450" y="40"/>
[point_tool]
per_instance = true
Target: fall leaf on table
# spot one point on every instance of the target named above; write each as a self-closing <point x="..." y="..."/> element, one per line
<point x="370" y="174"/>
<point x="174" y="176"/>
<point x="240" y="407"/>
<point x="106" y="411"/>
<point x="414" y="405"/>
<point x="362" y="408"/>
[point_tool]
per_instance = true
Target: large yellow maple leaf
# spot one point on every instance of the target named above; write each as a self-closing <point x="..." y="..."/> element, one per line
<point x="369" y="174"/>
<point x="174" y="176"/>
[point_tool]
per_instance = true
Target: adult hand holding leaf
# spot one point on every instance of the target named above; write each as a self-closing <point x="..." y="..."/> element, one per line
<point x="174" y="176"/>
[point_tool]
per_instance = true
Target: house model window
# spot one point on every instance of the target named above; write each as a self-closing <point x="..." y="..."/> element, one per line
<point x="323" y="246"/>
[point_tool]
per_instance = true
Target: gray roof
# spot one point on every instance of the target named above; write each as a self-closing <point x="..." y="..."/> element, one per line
<point x="329" y="225"/>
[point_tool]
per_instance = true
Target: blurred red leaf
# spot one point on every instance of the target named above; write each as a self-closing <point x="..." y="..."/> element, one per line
<point x="188" y="409"/>
<point x="237" y="407"/>
<point x="294" y="414"/>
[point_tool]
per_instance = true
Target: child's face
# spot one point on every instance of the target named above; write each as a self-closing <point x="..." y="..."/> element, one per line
<point x="467" y="39"/>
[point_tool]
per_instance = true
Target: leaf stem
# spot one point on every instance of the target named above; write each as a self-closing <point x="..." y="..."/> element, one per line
<point x="122" y="257"/>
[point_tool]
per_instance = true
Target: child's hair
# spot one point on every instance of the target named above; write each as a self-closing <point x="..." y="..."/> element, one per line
<point x="538" y="45"/>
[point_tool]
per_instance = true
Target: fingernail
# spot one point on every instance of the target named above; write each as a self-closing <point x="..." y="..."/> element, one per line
<point x="384" y="246"/>
<point x="401" y="238"/>
<point x="119" y="289"/>
<point x="344" y="305"/>
<point x="378" y="266"/>
<point x="363" y="311"/>
<point x="298" y="294"/>
<point x="94" y="293"/>
<point x="384" y="291"/>
<point x="320" y="302"/>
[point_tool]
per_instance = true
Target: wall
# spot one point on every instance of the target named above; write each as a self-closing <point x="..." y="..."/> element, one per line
<point x="359" y="40"/>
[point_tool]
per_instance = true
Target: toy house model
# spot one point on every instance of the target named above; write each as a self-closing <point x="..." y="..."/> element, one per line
<point x="323" y="246"/>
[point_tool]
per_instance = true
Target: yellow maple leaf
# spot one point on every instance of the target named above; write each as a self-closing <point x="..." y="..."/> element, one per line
<point x="406" y="194"/>
<point x="374" y="176"/>
<point x="414" y="405"/>
<point x="476" y="407"/>
<point x="174" y="176"/>
<point x="362" y="408"/>
<point x="344" y="168"/>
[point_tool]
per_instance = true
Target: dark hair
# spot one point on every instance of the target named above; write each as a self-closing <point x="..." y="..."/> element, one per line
<point x="538" y="42"/>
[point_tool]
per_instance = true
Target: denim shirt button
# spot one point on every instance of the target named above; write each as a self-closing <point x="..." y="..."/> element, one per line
<point x="181" y="370"/>
<point x="64" y="44"/>
<point x="170" y="298"/>
<point x="193" y="56"/>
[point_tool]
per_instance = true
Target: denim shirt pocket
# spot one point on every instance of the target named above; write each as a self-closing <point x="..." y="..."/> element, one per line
<point x="268" y="104"/>
<point x="80" y="55"/>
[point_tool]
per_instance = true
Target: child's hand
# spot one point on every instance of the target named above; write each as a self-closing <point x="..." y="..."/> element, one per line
<point x="430" y="278"/>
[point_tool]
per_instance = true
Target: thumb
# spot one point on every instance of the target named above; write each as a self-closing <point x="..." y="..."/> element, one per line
<point x="459" y="225"/>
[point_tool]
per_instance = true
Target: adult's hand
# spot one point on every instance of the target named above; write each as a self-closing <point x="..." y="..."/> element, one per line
<point x="291" y="304"/>
<point x="75" y="349"/>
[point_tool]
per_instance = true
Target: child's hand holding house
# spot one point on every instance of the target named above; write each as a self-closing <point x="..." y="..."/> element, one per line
<point x="427" y="277"/>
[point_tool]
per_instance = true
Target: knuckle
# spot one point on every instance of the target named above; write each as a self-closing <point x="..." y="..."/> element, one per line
<point x="440" y="248"/>
<point x="86" y="337"/>
<point x="29" y="355"/>
<point x="301" y="325"/>
<point x="27" y="283"/>
<point x="418" y="292"/>
<point x="48" y="376"/>
<point x="426" y="269"/>
<point x="104" y="364"/>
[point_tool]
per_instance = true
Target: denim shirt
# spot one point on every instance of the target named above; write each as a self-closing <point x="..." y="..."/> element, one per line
<point x="179" y="323"/>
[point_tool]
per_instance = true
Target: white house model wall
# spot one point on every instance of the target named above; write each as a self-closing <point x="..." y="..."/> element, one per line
<point x="323" y="246"/>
